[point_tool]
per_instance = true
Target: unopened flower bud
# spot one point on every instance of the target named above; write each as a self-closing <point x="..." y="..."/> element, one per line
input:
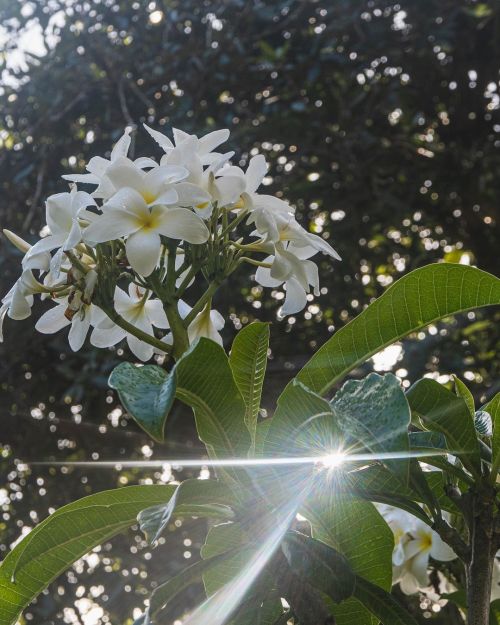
<point x="90" y="284"/>
<point x="74" y="304"/>
<point x="22" y="245"/>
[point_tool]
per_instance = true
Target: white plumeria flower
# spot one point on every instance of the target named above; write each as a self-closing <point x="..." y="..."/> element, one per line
<point x="401" y="524"/>
<point x="62" y="214"/>
<point x="201" y="148"/>
<point x="98" y="167"/>
<point x="76" y="310"/>
<point x="156" y="186"/>
<point x="292" y="231"/>
<point x="128" y="214"/>
<point x="290" y="266"/>
<point x="137" y="308"/>
<point x="265" y="210"/>
<point x="424" y="542"/>
<point x="208" y="324"/>
<point x="19" y="300"/>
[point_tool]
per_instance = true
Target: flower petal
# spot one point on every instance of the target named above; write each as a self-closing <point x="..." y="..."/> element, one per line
<point x="105" y="337"/>
<point x="122" y="146"/>
<point x="141" y="350"/>
<point x="181" y="223"/>
<point x="79" y="329"/>
<point x="440" y="550"/>
<point x="111" y="225"/>
<point x="162" y="140"/>
<point x="123" y="173"/>
<point x="143" y="251"/>
<point x="156" y="314"/>
<point x="53" y="320"/>
<point x="295" y="299"/>
<point x="212" y="140"/>
<point x="257" y="169"/>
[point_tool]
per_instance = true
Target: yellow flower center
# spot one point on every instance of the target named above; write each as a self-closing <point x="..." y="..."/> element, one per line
<point x="149" y="197"/>
<point x="203" y="205"/>
<point x="426" y="542"/>
<point x="240" y="203"/>
<point x="148" y="222"/>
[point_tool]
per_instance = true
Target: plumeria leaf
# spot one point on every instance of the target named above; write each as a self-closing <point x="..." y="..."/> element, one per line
<point x="427" y="440"/>
<point x="462" y="391"/>
<point x="147" y="393"/>
<point x="297" y="410"/>
<point x="248" y="362"/>
<point x="381" y="603"/>
<point x="224" y="538"/>
<point x="163" y="595"/>
<point x="320" y="565"/>
<point x="374" y="414"/>
<point x="202" y="379"/>
<point x="259" y="611"/>
<point x="358" y="531"/>
<point x="413" y="302"/>
<point x="65" y="536"/>
<point x="203" y="498"/>
<point x="442" y="411"/>
<point x="205" y="382"/>
<point x="378" y="484"/>
<point x="493" y="409"/>
<point x="483" y="423"/>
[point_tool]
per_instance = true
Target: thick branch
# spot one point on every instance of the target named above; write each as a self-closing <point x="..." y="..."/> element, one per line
<point x="451" y="537"/>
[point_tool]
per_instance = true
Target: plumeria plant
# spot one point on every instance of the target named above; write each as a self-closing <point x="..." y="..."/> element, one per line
<point x="315" y="512"/>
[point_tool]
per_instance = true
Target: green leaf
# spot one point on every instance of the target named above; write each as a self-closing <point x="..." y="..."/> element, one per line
<point x="377" y="484"/>
<point x="297" y="408"/>
<point x="462" y="391"/>
<point x="202" y="378"/>
<point x="413" y="302"/>
<point x="381" y="604"/>
<point x="355" y="529"/>
<point x="320" y="565"/>
<point x="147" y="393"/>
<point x="248" y="360"/>
<point x="261" y="435"/>
<point x="205" y="382"/>
<point x="258" y="612"/>
<point x="374" y="413"/>
<point x="427" y="440"/>
<point x="68" y="534"/>
<point x="221" y="539"/>
<point x="168" y="590"/>
<point x="442" y="411"/>
<point x="493" y="409"/>
<point x="203" y="498"/>
<point x="483" y="423"/>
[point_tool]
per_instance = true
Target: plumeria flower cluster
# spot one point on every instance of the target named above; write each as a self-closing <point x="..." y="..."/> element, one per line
<point x="414" y="544"/>
<point x="121" y="253"/>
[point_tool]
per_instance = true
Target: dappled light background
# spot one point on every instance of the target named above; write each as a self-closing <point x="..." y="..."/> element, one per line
<point x="381" y="124"/>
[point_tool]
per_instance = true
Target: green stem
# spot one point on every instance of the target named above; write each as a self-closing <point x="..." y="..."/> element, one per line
<point x="180" y="340"/>
<point x="233" y="224"/>
<point x="256" y="263"/>
<point x="185" y="282"/>
<point x="200" y="304"/>
<point x="131" y="329"/>
<point x="76" y="262"/>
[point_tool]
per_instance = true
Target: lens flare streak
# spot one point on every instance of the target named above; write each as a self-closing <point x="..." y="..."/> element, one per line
<point x="331" y="460"/>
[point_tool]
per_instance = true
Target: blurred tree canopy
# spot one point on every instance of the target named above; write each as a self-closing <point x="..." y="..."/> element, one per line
<point x="381" y="123"/>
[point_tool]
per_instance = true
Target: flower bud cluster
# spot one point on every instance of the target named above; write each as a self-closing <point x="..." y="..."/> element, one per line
<point x="157" y="228"/>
